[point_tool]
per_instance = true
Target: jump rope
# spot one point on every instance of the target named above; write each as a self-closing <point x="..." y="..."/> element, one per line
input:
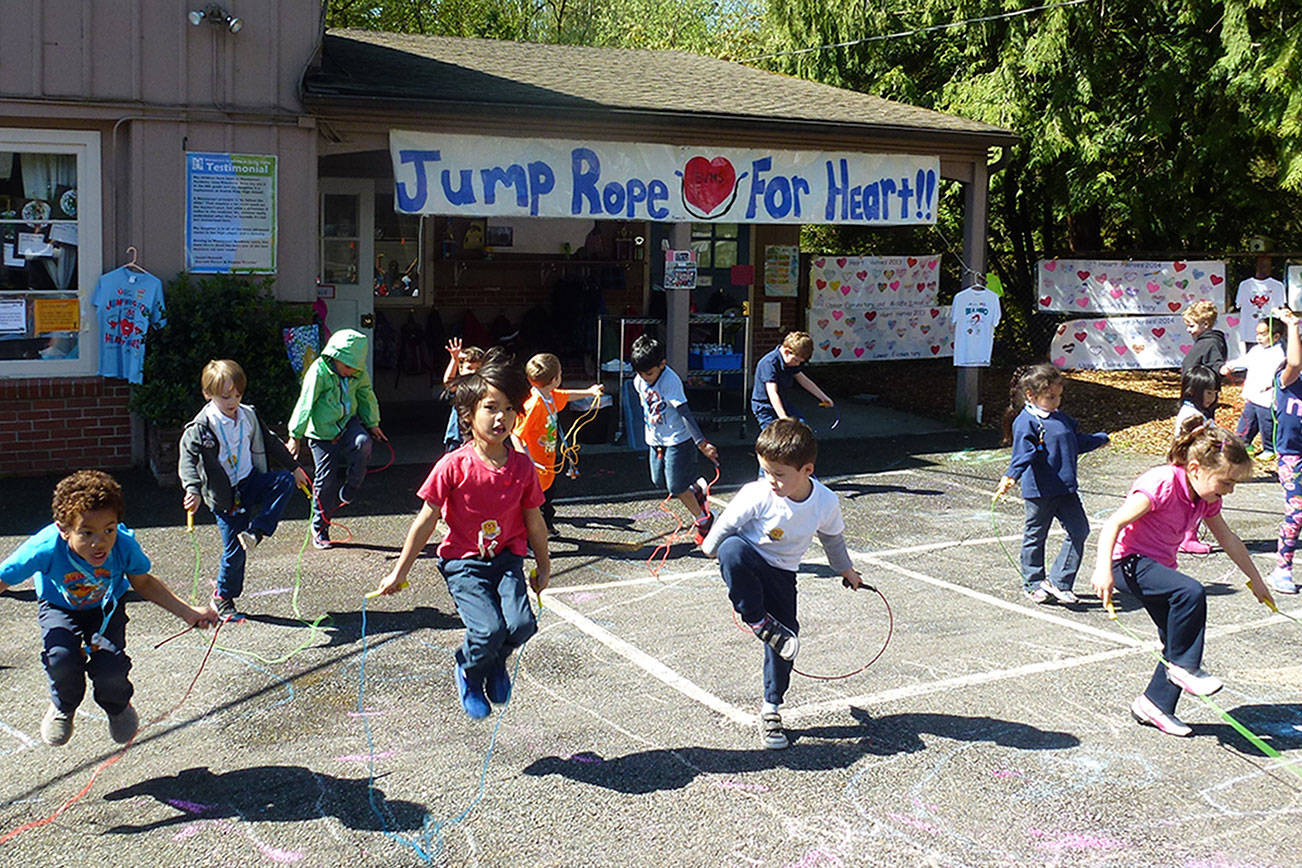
<point x="567" y="449"/>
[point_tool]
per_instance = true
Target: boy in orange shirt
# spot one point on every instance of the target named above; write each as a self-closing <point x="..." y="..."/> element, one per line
<point x="537" y="431"/>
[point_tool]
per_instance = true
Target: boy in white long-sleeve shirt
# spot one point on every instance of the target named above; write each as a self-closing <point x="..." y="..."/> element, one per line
<point x="759" y="541"/>
<point x="1261" y="362"/>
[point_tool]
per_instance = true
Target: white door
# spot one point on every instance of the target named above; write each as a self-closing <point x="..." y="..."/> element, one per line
<point x="347" y="257"/>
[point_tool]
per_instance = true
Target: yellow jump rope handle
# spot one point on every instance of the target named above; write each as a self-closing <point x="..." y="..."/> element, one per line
<point x="306" y="490"/>
<point x="1269" y="604"/>
<point x="537" y="595"/>
<point x="189" y="521"/>
<point x="1112" y="611"/>
<point x="401" y="587"/>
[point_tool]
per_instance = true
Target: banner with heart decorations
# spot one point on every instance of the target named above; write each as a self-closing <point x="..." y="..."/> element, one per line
<point x="857" y="335"/>
<point x="1125" y="287"/>
<point x="1127" y="343"/>
<point x="873" y="282"/>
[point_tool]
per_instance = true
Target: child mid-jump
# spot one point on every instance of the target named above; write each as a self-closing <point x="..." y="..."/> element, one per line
<point x="1046" y="445"/>
<point x="1288" y="446"/>
<point x="461" y="361"/>
<point x="672" y="434"/>
<point x="1261" y="363"/>
<point x="774" y="374"/>
<point x="759" y="541"/>
<point x="489" y="496"/>
<point x="1199" y="392"/>
<point x="84" y="563"/>
<point x="1137" y="550"/>
<point x="224" y="459"/>
<point x="537" y="430"/>
<point x="338" y="412"/>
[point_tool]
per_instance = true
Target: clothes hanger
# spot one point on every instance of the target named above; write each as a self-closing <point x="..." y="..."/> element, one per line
<point x="133" y="264"/>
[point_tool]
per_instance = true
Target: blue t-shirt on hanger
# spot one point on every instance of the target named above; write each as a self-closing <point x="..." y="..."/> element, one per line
<point x="129" y="303"/>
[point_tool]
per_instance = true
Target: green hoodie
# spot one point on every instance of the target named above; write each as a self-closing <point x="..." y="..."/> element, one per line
<point x="327" y="401"/>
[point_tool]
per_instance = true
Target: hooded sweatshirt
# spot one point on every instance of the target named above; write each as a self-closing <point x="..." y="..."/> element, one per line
<point x="327" y="401"/>
<point x="1209" y="349"/>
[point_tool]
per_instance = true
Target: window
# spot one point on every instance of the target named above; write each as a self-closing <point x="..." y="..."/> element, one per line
<point x="49" y="251"/>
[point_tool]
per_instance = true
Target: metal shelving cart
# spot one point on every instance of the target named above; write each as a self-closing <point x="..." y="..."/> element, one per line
<point x="726" y="328"/>
<point x="621" y="373"/>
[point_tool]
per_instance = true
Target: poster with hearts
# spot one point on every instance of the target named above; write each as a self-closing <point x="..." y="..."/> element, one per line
<point x="1126" y="343"/>
<point x="856" y="335"/>
<point x="873" y="282"/>
<point x="1127" y="287"/>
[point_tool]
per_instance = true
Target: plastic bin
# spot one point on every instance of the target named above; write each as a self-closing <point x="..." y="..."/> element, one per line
<point x="717" y="362"/>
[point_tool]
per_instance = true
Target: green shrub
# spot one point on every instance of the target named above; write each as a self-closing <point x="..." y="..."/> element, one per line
<point x="218" y="317"/>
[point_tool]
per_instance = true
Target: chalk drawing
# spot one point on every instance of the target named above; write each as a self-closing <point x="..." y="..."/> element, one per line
<point x="361" y="757"/>
<point x="1060" y="842"/>
<point x="275" y="854"/>
<point x="743" y="786"/>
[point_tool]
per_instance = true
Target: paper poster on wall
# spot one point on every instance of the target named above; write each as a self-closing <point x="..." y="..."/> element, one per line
<point x="13" y="316"/>
<point x="64" y="233"/>
<point x="680" y="269"/>
<point x="1127" y="343"/>
<point x="873" y="282"/>
<point x="772" y="314"/>
<point x="12" y="259"/>
<point x="33" y="244"/>
<point x="856" y="335"/>
<point x="230" y="213"/>
<point x="56" y="315"/>
<point x="781" y="270"/>
<point x="1117" y="286"/>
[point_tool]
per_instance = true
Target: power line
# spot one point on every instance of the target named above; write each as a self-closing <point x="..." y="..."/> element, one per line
<point x="902" y="33"/>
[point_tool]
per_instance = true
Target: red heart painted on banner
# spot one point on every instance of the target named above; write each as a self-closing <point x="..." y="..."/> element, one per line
<point x="1080" y="336"/>
<point x="819" y="263"/>
<point x="1157" y="333"/>
<point x="858" y="351"/>
<point x="935" y="349"/>
<point x="707" y="184"/>
<point x="1180" y="266"/>
<point x="934" y="313"/>
<point x="841" y="262"/>
<point x="912" y="262"/>
<point x="895" y="284"/>
<point x="1051" y="265"/>
<point x="870" y="315"/>
<point x="822" y="323"/>
<point x="1217" y="280"/>
<point x="1173" y="305"/>
<point x="846" y="289"/>
<point x="1044" y="300"/>
<point x="821" y="284"/>
<point x="837" y="314"/>
<point x="862" y="275"/>
<point x="836" y="352"/>
<point x="1121" y="349"/>
<point x="1083" y="275"/>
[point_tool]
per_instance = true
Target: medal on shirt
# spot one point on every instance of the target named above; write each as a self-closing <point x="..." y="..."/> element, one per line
<point x="489" y="531"/>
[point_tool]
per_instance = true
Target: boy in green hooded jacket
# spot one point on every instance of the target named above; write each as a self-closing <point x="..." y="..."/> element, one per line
<point x="338" y="413"/>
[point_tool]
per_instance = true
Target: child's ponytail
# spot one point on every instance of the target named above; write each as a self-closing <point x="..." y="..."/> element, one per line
<point x="1032" y="379"/>
<point x="1210" y="445"/>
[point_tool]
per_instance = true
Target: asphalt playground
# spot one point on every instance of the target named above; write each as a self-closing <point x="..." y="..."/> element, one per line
<point x="324" y="729"/>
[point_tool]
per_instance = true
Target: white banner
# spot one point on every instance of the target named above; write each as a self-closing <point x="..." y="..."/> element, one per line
<point x="856" y="335"/>
<point x="1127" y="343"/>
<point x="874" y="282"/>
<point x="1114" y="286"/>
<point x="496" y="176"/>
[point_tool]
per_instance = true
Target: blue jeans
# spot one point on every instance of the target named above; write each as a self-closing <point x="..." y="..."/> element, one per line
<point x="756" y="587"/>
<point x="492" y="600"/>
<point x="64" y="632"/>
<point x="1256" y="418"/>
<point x="271" y="491"/>
<point x="1178" y="606"/>
<point x="673" y="468"/>
<point x="338" y="462"/>
<point x="1040" y="513"/>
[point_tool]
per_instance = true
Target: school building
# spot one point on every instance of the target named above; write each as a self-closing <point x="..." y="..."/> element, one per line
<point x="421" y="187"/>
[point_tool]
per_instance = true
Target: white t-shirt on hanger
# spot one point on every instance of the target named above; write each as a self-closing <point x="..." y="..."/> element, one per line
<point x="1255" y="300"/>
<point x="975" y="314"/>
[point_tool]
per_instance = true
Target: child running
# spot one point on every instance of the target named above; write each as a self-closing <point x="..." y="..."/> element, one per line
<point x="461" y="361"/>
<point x="489" y="496"/>
<point x="537" y="431"/>
<point x="1137" y="550"/>
<point x="774" y="374"/>
<point x="338" y="412"/>
<point x="224" y="452"/>
<point x="84" y="563"/>
<point x="1199" y="392"/>
<point x="1261" y="363"/>
<point x="672" y="434"/>
<point x="1046" y="443"/>
<point x="1288" y="446"/>
<point x="759" y="541"/>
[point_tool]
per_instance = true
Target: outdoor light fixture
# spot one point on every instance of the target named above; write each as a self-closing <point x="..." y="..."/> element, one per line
<point x="217" y="16"/>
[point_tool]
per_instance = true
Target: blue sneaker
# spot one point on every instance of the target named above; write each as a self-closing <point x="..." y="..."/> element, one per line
<point x="472" y="695"/>
<point x="498" y="684"/>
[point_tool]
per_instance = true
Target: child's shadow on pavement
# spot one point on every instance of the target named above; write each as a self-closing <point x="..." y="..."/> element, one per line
<point x="267" y="794"/>
<point x="345" y="628"/>
<point x="823" y="748"/>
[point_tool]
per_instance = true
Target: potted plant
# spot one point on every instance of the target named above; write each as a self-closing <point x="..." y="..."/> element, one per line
<point x="213" y="317"/>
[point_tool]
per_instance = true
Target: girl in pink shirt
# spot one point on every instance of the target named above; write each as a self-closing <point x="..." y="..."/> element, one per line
<point x="1137" y="551"/>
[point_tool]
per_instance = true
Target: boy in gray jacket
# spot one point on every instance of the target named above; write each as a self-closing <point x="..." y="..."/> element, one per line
<point x="224" y="451"/>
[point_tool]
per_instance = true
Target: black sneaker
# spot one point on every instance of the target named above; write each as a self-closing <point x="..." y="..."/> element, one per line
<point x="777" y="636"/>
<point x="225" y="607"/>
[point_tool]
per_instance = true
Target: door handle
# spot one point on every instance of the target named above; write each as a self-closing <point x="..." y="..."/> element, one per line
<point x="368" y="320"/>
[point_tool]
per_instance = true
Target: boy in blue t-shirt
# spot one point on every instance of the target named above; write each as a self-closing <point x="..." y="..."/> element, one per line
<point x="774" y="374"/>
<point x="672" y="434"/>
<point x="84" y="562"/>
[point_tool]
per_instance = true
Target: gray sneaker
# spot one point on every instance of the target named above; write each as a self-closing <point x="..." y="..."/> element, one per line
<point x="123" y="725"/>
<point x="56" y="728"/>
<point x="1038" y="596"/>
<point x="249" y="541"/>
<point x="771" y="734"/>
<point x="1059" y="594"/>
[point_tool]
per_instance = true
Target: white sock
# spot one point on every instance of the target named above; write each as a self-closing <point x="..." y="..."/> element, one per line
<point x="767" y="707"/>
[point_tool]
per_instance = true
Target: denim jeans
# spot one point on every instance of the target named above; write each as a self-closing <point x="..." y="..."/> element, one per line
<point x="756" y="587"/>
<point x="339" y="461"/>
<point x="1178" y="606"/>
<point x="1040" y="513"/>
<point x="270" y="491"/>
<point x="492" y="600"/>
<point x="64" y="632"/>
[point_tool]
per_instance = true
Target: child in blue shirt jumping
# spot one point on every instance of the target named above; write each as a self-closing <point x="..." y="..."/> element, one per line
<point x="84" y="563"/>
<point x="1046" y="443"/>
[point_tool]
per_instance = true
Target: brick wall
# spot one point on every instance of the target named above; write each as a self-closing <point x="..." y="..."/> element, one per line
<point x="58" y="424"/>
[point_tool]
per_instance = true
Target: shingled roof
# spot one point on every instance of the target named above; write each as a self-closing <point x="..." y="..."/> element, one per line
<point x="399" y="67"/>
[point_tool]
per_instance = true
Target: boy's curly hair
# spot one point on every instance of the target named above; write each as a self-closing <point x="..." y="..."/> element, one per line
<point x="86" y="491"/>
